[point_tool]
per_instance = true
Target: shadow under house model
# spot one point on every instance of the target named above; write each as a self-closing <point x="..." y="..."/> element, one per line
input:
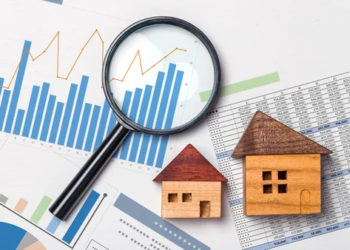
<point x="282" y="169"/>
<point x="191" y="187"/>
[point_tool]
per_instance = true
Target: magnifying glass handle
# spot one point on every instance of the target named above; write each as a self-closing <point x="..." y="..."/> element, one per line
<point x="76" y="189"/>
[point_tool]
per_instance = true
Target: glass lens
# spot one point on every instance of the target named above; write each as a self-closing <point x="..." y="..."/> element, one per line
<point x="157" y="74"/>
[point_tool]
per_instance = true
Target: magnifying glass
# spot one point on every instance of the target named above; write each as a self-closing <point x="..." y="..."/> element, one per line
<point x="152" y="77"/>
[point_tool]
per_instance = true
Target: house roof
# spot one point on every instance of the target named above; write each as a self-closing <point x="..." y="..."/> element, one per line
<point x="190" y="165"/>
<point x="266" y="136"/>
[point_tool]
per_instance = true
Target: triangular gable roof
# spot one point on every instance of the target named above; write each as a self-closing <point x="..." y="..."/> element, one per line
<point x="266" y="136"/>
<point x="190" y="165"/>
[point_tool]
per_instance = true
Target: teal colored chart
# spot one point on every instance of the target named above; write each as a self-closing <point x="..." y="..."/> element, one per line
<point x="16" y="238"/>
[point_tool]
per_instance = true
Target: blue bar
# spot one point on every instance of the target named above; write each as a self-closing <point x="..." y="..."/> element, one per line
<point x="151" y="115"/>
<point x="83" y="126"/>
<point x="48" y="117"/>
<point x="141" y="121"/>
<point x="17" y="87"/>
<point x="40" y="110"/>
<point x="54" y="223"/>
<point x="170" y="118"/>
<point x="102" y="127"/>
<point x="92" y="128"/>
<point x="19" y="121"/>
<point x="132" y="116"/>
<point x="81" y="216"/>
<point x="112" y="122"/>
<point x="77" y="111"/>
<point x="30" y="112"/>
<point x="3" y="107"/>
<point x="67" y="114"/>
<point x="56" y="122"/>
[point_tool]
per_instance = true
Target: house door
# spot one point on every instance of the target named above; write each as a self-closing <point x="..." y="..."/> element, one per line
<point x="305" y="202"/>
<point x="204" y="209"/>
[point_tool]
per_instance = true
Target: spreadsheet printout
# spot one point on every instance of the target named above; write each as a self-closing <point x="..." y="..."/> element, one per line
<point x="319" y="110"/>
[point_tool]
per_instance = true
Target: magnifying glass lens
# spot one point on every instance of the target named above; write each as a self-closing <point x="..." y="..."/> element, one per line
<point x="157" y="74"/>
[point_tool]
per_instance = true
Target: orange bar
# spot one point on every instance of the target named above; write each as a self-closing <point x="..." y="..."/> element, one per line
<point x="21" y="205"/>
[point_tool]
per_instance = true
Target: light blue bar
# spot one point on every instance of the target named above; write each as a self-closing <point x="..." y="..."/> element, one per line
<point x="81" y="216"/>
<point x="92" y="128"/>
<point x="153" y="150"/>
<point x="30" y="111"/>
<point x="40" y="110"/>
<point x="170" y="117"/>
<point x="3" y="107"/>
<point x="19" y="121"/>
<point x="102" y="127"/>
<point x="67" y="114"/>
<point x="77" y="111"/>
<point x="140" y="121"/>
<point x="54" y="223"/>
<point x="125" y="108"/>
<point x="132" y="116"/>
<point x="151" y="115"/>
<point x="157" y="224"/>
<point x="83" y="126"/>
<point x="17" y="88"/>
<point x="48" y="117"/>
<point x="56" y="122"/>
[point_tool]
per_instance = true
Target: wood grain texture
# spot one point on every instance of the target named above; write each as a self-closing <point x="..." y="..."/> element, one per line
<point x="190" y="165"/>
<point x="267" y="136"/>
<point x="303" y="180"/>
<point x="200" y="191"/>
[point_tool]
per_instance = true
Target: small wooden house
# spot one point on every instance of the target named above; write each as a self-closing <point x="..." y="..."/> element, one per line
<point x="191" y="187"/>
<point x="282" y="169"/>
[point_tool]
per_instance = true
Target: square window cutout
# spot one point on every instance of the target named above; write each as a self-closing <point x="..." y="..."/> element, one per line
<point x="267" y="175"/>
<point x="267" y="189"/>
<point x="282" y="188"/>
<point x="172" y="197"/>
<point x="282" y="175"/>
<point x="187" y="197"/>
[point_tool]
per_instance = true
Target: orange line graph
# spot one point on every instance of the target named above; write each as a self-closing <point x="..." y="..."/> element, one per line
<point x="96" y="32"/>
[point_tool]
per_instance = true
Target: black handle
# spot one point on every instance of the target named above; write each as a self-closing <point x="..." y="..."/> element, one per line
<point x="75" y="190"/>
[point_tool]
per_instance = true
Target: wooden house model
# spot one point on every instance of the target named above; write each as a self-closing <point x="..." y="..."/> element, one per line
<point x="191" y="187"/>
<point x="282" y="169"/>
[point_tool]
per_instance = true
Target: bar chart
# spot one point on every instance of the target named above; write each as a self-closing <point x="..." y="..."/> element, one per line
<point x="73" y="230"/>
<point x="74" y="123"/>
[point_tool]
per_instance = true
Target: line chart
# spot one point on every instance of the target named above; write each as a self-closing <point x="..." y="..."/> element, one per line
<point x="96" y="32"/>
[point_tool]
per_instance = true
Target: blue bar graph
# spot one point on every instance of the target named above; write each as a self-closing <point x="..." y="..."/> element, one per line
<point x="48" y="117"/>
<point x="67" y="114"/>
<point x="77" y="111"/>
<point x="77" y="124"/>
<point x="132" y="116"/>
<point x="81" y="216"/>
<point x="40" y="110"/>
<point x="83" y="126"/>
<point x="141" y="121"/>
<point x="17" y="88"/>
<point x="18" y="123"/>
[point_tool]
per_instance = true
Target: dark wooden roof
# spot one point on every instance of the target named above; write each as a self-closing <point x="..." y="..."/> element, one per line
<point x="190" y="165"/>
<point x="267" y="136"/>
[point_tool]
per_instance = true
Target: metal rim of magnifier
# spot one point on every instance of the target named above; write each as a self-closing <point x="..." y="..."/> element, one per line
<point x="123" y="119"/>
